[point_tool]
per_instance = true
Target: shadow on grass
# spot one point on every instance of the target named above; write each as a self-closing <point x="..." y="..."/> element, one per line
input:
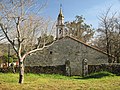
<point x="97" y="75"/>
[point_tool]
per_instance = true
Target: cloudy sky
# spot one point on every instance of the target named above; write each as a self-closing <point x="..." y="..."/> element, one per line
<point x="90" y="9"/>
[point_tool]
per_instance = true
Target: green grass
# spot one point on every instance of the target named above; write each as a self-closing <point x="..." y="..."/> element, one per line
<point x="96" y="81"/>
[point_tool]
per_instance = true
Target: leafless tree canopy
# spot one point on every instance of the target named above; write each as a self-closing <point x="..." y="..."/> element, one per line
<point x="109" y="34"/>
<point x="21" y="25"/>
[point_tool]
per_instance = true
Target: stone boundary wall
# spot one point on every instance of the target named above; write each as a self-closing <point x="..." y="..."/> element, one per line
<point x="60" y="69"/>
<point x="113" y="68"/>
<point x="6" y="70"/>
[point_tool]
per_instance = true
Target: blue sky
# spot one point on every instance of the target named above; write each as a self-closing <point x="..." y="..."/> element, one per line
<point x="90" y="9"/>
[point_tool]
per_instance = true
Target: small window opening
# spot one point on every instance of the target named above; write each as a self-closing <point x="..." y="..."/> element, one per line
<point x="51" y="52"/>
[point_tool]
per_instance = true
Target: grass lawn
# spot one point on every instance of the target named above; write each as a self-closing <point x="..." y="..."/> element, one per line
<point x="9" y="81"/>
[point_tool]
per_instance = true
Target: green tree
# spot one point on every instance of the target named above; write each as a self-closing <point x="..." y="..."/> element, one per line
<point x="45" y="39"/>
<point x="79" y="29"/>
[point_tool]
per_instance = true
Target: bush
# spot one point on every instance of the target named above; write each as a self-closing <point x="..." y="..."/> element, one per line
<point x="99" y="74"/>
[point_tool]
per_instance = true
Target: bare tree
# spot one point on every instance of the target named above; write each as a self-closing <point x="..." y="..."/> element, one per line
<point x="108" y="38"/>
<point x="115" y="39"/>
<point x="20" y="23"/>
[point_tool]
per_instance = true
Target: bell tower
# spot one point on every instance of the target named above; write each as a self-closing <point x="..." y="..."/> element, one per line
<point x="60" y="25"/>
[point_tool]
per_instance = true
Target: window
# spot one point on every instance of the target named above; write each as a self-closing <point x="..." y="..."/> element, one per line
<point x="51" y="52"/>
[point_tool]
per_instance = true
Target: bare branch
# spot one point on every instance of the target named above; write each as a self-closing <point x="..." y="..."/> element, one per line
<point x="38" y="49"/>
<point x="2" y="38"/>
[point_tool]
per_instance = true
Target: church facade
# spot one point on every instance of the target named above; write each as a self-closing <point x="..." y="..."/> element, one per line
<point x="66" y="49"/>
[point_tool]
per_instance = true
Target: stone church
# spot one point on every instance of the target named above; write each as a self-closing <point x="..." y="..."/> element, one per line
<point x="67" y="50"/>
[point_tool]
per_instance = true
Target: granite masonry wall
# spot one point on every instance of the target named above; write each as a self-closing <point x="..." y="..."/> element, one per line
<point x="67" y="49"/>
<point x="60" y="69"/>
<point x="113" y="68"/>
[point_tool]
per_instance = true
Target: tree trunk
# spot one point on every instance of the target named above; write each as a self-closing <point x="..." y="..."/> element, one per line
<point x="21" y="73"/>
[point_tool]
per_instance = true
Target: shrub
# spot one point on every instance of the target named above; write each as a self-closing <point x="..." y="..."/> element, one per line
<point x="99" y="74"/>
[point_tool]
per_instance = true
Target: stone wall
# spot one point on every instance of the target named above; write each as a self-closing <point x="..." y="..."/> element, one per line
<point x="60" y="69"/>
<point x="113" y="68"/>
<point x="10" y="69"/>
<point x="67" y="49"/>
